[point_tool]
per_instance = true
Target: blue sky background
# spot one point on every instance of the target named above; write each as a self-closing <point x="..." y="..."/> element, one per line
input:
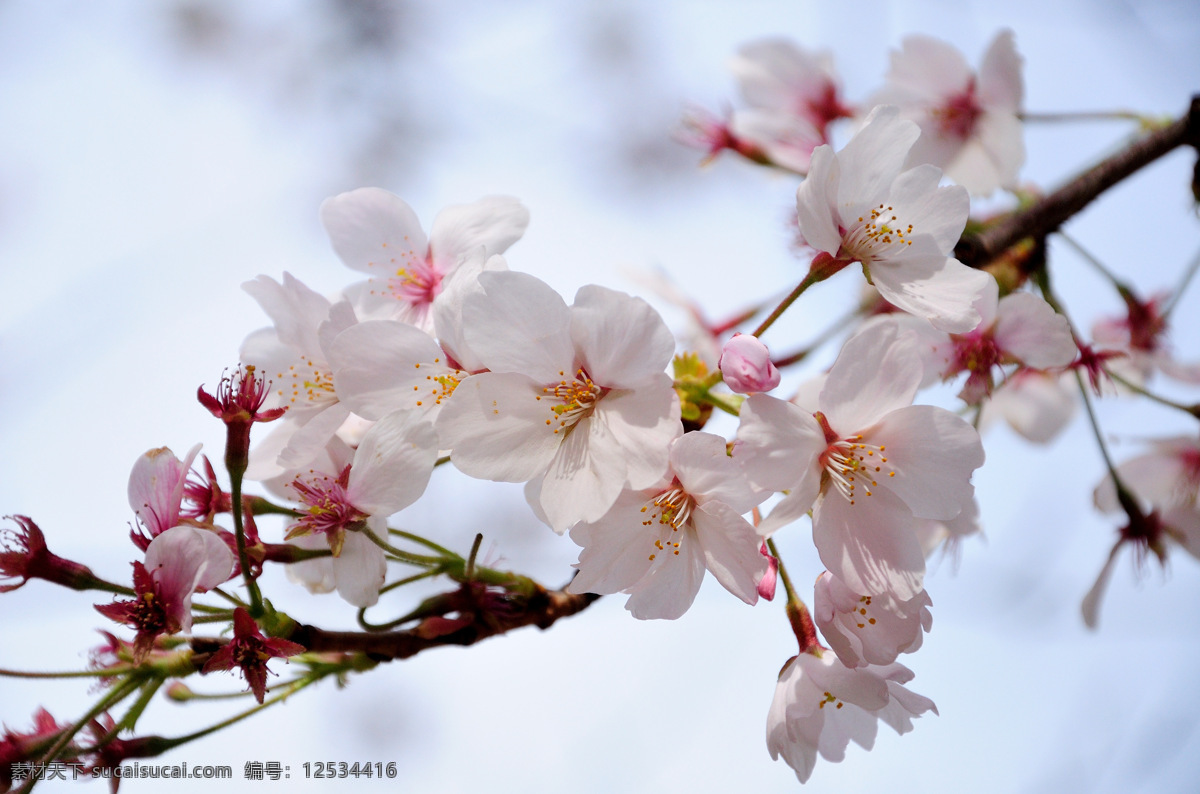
<point x="155" y="156"/>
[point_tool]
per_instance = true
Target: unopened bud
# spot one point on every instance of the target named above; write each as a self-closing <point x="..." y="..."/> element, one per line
<point x="746" y="365"/>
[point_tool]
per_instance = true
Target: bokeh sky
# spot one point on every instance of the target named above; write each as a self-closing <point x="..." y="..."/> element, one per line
<point x="154" y="156"/>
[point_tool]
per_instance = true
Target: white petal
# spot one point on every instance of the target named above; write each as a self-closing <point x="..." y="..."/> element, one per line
<point x="382" y="366"/>
<point x="1000" y="84"/>
<point x="312" y="435"/>
<point x="360" y="569"/>
<point x="520" y="324"/>
<point x="707" y="473"/>
<point x="585" y="477"/>
<point x="777" y="446"/>
<point x="943" y="291"/>
<point x="814" y="202"/>
<point x="295" y="310"/>
<point x="670" y="586"/>
<point x="871" y="545"/>
<point x="731" y="549"/>
<point x="1029" y="329"/>
<point x="621" y="341"/>
<point x="616" y="548"/>
<point x="374" y="231"/>
<point x="493" y="223"/>
<point x="642" y="423"/>
<point x="940" y="212"/>
<point x="874" y="373"/>
<point x="392" y="463"/>
<point x="496" y="426"/>
<point x="933" y="454"/>
<point x="872" y="160"/>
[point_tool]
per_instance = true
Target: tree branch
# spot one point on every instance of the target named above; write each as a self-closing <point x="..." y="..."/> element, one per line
<point x="542" y="609"/>
<point x="1056" y="208"/>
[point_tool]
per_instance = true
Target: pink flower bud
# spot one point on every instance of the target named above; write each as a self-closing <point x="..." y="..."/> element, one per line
<point x="746" y="365"/>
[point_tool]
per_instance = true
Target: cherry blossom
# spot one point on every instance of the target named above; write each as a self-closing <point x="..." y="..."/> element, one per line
<point x="1037" y="405"/>
<point x="859" y="205"/>
<point x="778" y="77"/>
<point x="294" y="355"/>
<point x="1019" y="328"/>
<point x="24" y="556"/>
<point x="820" y="705"/>
<point x="970" y="124"/>
<point x="389" y="471"/>
<point x="1167" y="479"/>
<point x="1141" y="334"/>
<point x="656" y="543"/>
<point x="865" y="629"/>
<point x="377" y="233"/>
<point x="179" y="562"/>
<point x="575" y="401"/>
<point x="380" y="366"/>
<point x="869" y="463"/>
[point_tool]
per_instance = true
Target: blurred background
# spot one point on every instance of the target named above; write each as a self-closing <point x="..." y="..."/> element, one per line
<point x="154" y="156"/>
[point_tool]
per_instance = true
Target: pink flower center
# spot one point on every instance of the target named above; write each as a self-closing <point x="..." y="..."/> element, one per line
<point x="327" y="508"/>
<point x="956" y="118"/>
<point x="852" y="466"/>
<point x="418" y="282"/>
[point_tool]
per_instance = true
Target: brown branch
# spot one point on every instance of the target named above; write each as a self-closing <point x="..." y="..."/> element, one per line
<point x="1054" y="209"/>
<point x="541" y="609"/>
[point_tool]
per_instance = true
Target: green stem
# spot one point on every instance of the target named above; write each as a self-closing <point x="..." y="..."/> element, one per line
<point x="1090" y="115"/>
<point x="1183" y="285"/>
<point x="107" y="672"/>
<point x="775" y="314"/>
<point x="429" y="544"/>
<point x="299" y="684"/>
<point x="127" y="722"/>
<point x="114" y="696"/>
<point x="402" y="556"/>
<point x="788" y="590"/>
<point x="1193" y="410"/>
<point x="255" y="607"/>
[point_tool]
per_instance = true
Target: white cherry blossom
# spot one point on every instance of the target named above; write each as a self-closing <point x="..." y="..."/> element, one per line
<point x="576" y="400"/>
<point x="656" y="543"/>
<point x="970" y="123"/>
<point x="820" y="705"/>
<point x="869" y="464"/>
<point x="859" y="205"/>
<point x="389" y="471"/>
<point x="377" y="233"/>
<point x="293" y="356"/>
<point x="865" y="629"/>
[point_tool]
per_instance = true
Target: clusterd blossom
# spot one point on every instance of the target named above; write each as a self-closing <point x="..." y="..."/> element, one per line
<point x="868" y="463"/>
<point x="860" y="205"/>
<point x="970" y="123"/>
<point x="377" y="233"/>
<point x="656" y="543"/>
<point x="576" y="401"/>
<point x="820" y="705"/>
